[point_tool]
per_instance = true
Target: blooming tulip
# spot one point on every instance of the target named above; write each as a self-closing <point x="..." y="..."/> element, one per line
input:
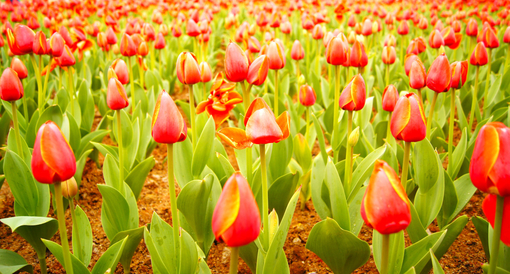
<point x="111" y="38"/>
<point x="236" y="63"/>
<point x="297" y="52"/>
<point x="307" y="95"/>
<point x="121" y="70"/>
<point x="127" y="46"/>
<point x="335" y="52"/>
<point x="168" y="125"/>
<point x="358" y="56"/>
<point x="472" y="27"/>
<point x="276" y="55"/>
<point x="439" y="75"/>
<point x="353" y="95"/>
<point x="40" y="45"/>
<point x="459" y="73"/>
<point x="67" y="58"/>
<point x="389" y="98"/>
<point x="205" y="72"/>
<point x="56" y="45"/>
<point x="436" y="40"/>
<point x="417" y="75"/>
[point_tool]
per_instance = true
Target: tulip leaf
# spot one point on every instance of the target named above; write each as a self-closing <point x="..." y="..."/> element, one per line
<point x="141" y="96"/>
<point x="182" y="168"/>
<point x="417" y="255"/>
<point x="56" y="250"/>
<point x="466" y="191"/>
<point x="415" y="229"/>
<point x="12" y="145"/>
<point x="204" y="149"/>
<point x="131" y="151"/>
<point x="249" y="255"/>
<point x="355" y="213"/>
<point x="275" y="252"/>
<point x="317" y="183"/>
<point x="482" y="229"/>
<point x="339" y="209"/>
<point x="221" y="167"/>
<point x="132" y="239"/>
<point x="83" y="249"/>
<point x="106" y="149"/>
<point x="71" y="132"/>
<point x="320" y="137"/>
<point x="458" y="156"/>
<point x="363" y="171"/>
<point x="366" y="113"/>
<point x="109" y="259"/>
<point x="87" y="107"/>
<point x="118" y="212"/>
<point x="23" y="124"/>
<point x="341" y="250"/>
<point x="499" y="270"/>
<point x="145" y="139"/>
<point x="80" y="165"/>
<point x="52" y="113"/>
<point x="11" y="262"/>
<point x="435" y="263"/>
<point x="302" y="152"/>
<point x="449" y="202"/>
<point x="94" y="136"/>
<point x="5" y="124"/>
<point x="396" y="250"/>
<point x="281" y="191"/>
<point x="136" y="178"/>
<point x="281" y="153"/>
<point x="33" y="229"/>
<point x="428" y="204"/>
<point x="111" y="172"/>
<point x="425" y="165"/>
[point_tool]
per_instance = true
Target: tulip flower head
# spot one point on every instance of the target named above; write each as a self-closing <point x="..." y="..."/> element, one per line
<point x="236" y="217"/>
<point x="408" y="121"/>
<point x="40" y="45"/>
<point x="439" y="75"/>
<point x="385" y="206"/>
<point x="205" y="72"/>
<point x="354" y="94"/>
<point x="297" y="53"/>
<point x="188" y="70"/>
<point x="307" y="95"/>
<point x="11" y="88"/>
<point x="335" y="52"/>
<point x="417" y="75"/>
<point x="489" y="209"/>
<point x="56" y="45"/>
<point x="53" y="159"/>
<point x="18" y="66"/>
<point x="276" y="55"/>
<point x="258" y="70"/>
<point x="479" y="57"/>
<point x="20" y="39"/>
<point x="358" y="56"/>
<point x="121" y="70"/>
<point x="389" y="55"/>
<point x="116" y="97"/>
<point x="489" y="38"/>
<point x="168" y="126"/>
<point x="236" y="63"/>
<point x="459" y="73"/>
<point x="489" y="163"/>
<point x="127" y="46"/>
<point x="389" y="98"/>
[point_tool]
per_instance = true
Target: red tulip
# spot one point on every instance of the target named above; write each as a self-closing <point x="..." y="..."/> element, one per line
<point x="286" y="27"/>
<point x="403" y="28"/>
<point x="489" y="209"/>
<point x="148" y="32"/>
<point x="236" y="63"/>
<point x="116" y="97"/>
<point x="56" y="45"/>
<point x="11" y="88"/>
<point x="253" y="44"/>
<point x="276" y="55"/>
<point x="160" y="41"/>
<point x="390" y="40"/>
<point x="53" y="159"/>
<point x="236" y="217"/>
<point x="472" y="28"/>
<point x="297" y="52"/>
<point x="205" y="72"/>
<point x="121" y="70"/>
<point x="335" y="52"/>
<point x="317" y="32"/>
<point x="367" y="27"/>
<point x="111" y="37"/>
<point x="20" y="39"/>
<point x="490" y="39"/>
<point x="18" y="66"/>
<point x="448" y="36"/>
<point x="389" y="98"/>
<point x="459" y="73"/>
<point x="408" y="121"/>
<point x="67" y="58"/>
<point x="417" y="75"/>
<point x="436" y="39"/>
<point x="307" y="95"/>
<point x="143" y="49"/>
<point x="188" y="71"/>
<point x="127" y="46"/>
<point x="358" y="56"/>
<point x="40" y="45"/>
<point x="257" y="72"/>
<point x="439" y="75"/>
<point x="479" y="57"/>
<point x="489" y="170"/>
<point x="192" y="28"/>
<point x="389" y="55"/>
<point x="385" y="206"/>
<point x="168" y="126"/>
<point x="354" y="94"/>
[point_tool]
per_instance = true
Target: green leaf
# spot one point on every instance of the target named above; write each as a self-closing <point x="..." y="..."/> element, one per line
<point x="396" y="250"/>
<point x="425" y="165"/>
<point x="132" y="239"/>
<point x="320" y="137"/>
<point x="458" y="156"/>
<point x="83" y="250"/>
<point x="415" y="229"/>
<point x="111" y="172"/>
<point x="11" y="262"/>
<point x="52" y="113"/>
<point x="94" y="136"/>
<point x="281" y="191"/>
<point x="417" y="255"/>
<point x="342" y="251"/>
<point x="108" y="261"/>
<point x="339" y="209"/>
<point x="482" y="229"/>
<point x="449" y="202"/>
<point x="182" y="168"/>
<point x="302" y="152"/>
<point x="317" y="183"/>
<point x="117" y="211"/>
<point x="136" y="178"/>
<point x="499" y="270"/>
<point x="56" y="250"/>
<point x="363" y="171"/>
<point x="204" y="150"/>
<point x="281" y="154"/>
<point x="435" y="263"/>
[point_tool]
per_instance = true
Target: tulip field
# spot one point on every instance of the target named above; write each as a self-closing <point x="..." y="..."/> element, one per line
<point x="264" y="137"/>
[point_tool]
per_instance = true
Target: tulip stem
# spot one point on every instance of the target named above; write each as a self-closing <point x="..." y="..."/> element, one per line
<point x="234" y="260"/>
<point x="173" y="203"/>
<point x="487" y="82"/>
<point x="418" y="91"/>
<point x="153" y="56"/>
<point x="496" y="235"/>
<point x="42" y="263"/>
<point x="348" y="154"/>
<point x="265" y="206"/>
<point x="132" y="84"/>
<point x="405" y="164"/>
<point x="38" y="79"/>
<point x="307" y="115"/>
<point x="140" y="70"/>
<point x="276" y="93"/>
<point x="46" y="78"/>
<point x="431" y="113"/>
<point x="121" y="153"/>
<point x="318" y="68"/>
<point x="387" y="75"/>
<point x="336" y="106"/>
<point x="71" y="88"/>
<point x="388" y="130"/>
<point x="16" y="128"/>
<point x="385" y="253"/>
<point x="246" y="102"/>
<point x="75" y="224"/>
<point x="474" y="103"/>
<point x="298" y="72"/>
<point x="308" y="53"/>
<point x="450" y="130"/>
<point x="62" y="228"/>
<point x="192" y="117"/>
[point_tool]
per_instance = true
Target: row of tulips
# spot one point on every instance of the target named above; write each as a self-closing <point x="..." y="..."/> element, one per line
<point x="357" y="113"/>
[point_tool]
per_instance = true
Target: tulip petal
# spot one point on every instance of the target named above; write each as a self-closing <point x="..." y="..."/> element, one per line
<point x="485" y="154"/>
<point x="56" y="152"/>
<point x="235" y="137"/>
<point x="227" y="208"/>
<point x="262" y="128"/>
<point x="283" y="122"/>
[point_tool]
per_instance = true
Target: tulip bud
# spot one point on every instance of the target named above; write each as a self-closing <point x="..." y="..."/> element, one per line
<point x="236" y="217"/>
<point x="56" y="45"/>
<point x="459" y="73"/>
<point x="148" y="32"/>
<point x="335" y="52"/>
<point x="301" y="80"/>
<point x="353" y="138"/>
<point x="417" y="75"/>
<point x="111" y="37"/>
<point x="160" y="41"/>
<point x="52" y="159"/>
<point x="329" y="35"/>
<point x="439" y="75"/>
<point x="297" y="52"/>
<point x="389" y="98"/>
<point x="69" y="188"/>
<point x="40" y="45"/>
<point x="479" y="57"/>
<point x="276" y="55"/>
<point x="176" y="31"/>
<point x="389" y="55"/>
<point x="489" y="209"/>
<point x="367" y="27"/>
<point x="116" y="97"/>
<point x="205" y="72"/>
<point x="168" y="126"/>
<point x="258" y="70"/>
<point x="127" y="46"/>
<point x="67" y="58"/>
<point x="358" y="57"/>
<point x="236" y="63"/>
<point x="408" y="121"/>
<point x="403" y="28"/>
<point x="188" y="71"/>
<point x="317" y="32"/>
<point x="390" y="40"/>
<point x="489" y="38"/>
<point x="354" y="94"/>
<point x="286" y="27"/>
<point x="143" y="49"/>
<point x="192" y="28"/>
<point x="489" y="170"/>
<point x="448" y="36"/>
<point x="18" y="66"/>
<point x="307" y="96"/>
<point x="472" y="28"/>
<point x="11" y="88"/>
<point x="20" y="39"/>
<point x="253" y="44"/>
<point x="436" y="39"/>
<point x="385" y="206"/>
<point x="121" y="71"/>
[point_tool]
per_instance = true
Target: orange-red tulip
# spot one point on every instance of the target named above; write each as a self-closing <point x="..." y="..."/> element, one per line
<point x="121" y="70"/>
<point x="11" y="88"/>
<point x="116" y="97"/>
<point x="317" y="32"/>
<point x="276" y="55"/>
<point x="20" y="39"/>
<point x="389" y="55"/>
<point x="472" y="27"/>
<point x="307" y="95"/>
<point x="417" y="75"/>
<point x="111" y="37"/>
<point x="436" y="39"/>
<point x="40" y="45"/>
<point x="335" y="52"/>
<point x="143" y="49"/>
<point x="67" y="58"/>
<point x="358" y="56"/>
<point x="448" y="36"/>
<point x="489" y="209"/>
<point x="160" y="41"/>
<point x="354" y="94"/>
<point x="168" y="126"/>
<point x="479" y="57"/>
<point x="205" y="72"/>
<point x="439" y="76"/>
<point x="408" y="121"/>
<point x="403" y="28"/>
<point x="257" y="72"/>
<point x="297" y="52"/>
<point x="367" y="27"/>
<point x="192" y="28"/>
<point x="56" y="45"/>
<point x="389" y="98"/>
<point x="459" y="73"/>
<point x="18" y="66"/>
<point x="490" y="39"/>
<point x="127" y="46"/>
<point x="236" y="63"/>
<point x="188" y="71"/>
<point x="253" y="44"/>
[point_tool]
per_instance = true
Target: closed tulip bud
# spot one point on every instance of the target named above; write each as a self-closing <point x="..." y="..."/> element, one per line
<point x="389" y="98"/>
<point x="472" y="28"/>
<point x="354" y="94"/>
<point x="67" y="58"/>
<point x="143" y="49"/>
<point x="335" y="52"/>
<point x="168" y="126"/>
<point x="358" y="56"/>
<point x="351" y="22"/>
<point x="56" y="45"/>
<point x="439" y="75"/>
<point x="40" y="45"/>
<point x="52" y="159"/>
<point x="459" y="73"/>
<point x="403" y="28"/>
<point x="352" y="37"/>
<point x="408" y="121"/>
<point x="101" y="41"/>
<point x="176" y="31"/>
<point x="367" y="27"/>
<point x="116" y="49"/>
<point x="236" y="217"/>
<point x="286" y="27"/>
<point x="188" y="71"/>
<point x="489" y="170"/>
<point x="236" y="63"/>
<point x="69" y="188"/>
<point x="205" y="72"/>
<point x="253" y="44"/>
<point x="11" y="88"/>
<point x="127" y="46"/>
<point x="297" y="52"/>
<point x="116" y="97"/>
<point x="448" y="36"/>
<point x="389" y="55"/>
<point x="436" y="39"/>
<point x="18" y="66"/>
<point x="163" y="29"/>
<point x="412" y="48"/>
<point x="479" y="57"/>
<point x="148" y="32"/>
<point x="490" y="39"/>
<point x="261" y="125"/>
<point x="417" y="75"/>
<point x="192" y="28"/>
<point x="317" y="32"/>
<point x="307" y="96"/>
<point x="385" y="206"/>
<point x="353" y="138"/>
<point x="160" y="41"/>
<point x="111" y="37"/>
<point x="301" y="80"/>
<point x="257" y="72"/>
<point x="276" y="55"/>
<point x="506" y="37"/>
<point x="327" y="37"/>
<point x="489" y="209"/>
<point x="20" y="39"/>
<point x="390" y="40"/>
<point x="456" y="26"/>
<point x="121" y="70"/>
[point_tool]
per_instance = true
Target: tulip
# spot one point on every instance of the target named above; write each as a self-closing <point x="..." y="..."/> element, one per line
<point x="490" y="41"/>
<point x="479" y="57"/>
<point x="11" y="90"/>
<point x="277" y="60"/>
<point x="307" y="98"/>
<point x="116" y="97"/>
<point x="205" y="72"/>
<point x="297" y="53"/>
<point x="472" y="28"/>
<point x="53" y="162"/>
<point x="121" y="71"/>
<point x="448" y="36"/>
<point x="436" y="40"/>
<point x="358" y="56"/>
<point x="335" y="52"/>
<point x="489" y="207"/>
<point x="236" y="217"/>
<point x="160" y="42"/>
<point x="127" y="46"/>
<point x="188" y="70"/>
<point x="439" y="79"/>
<point x="56" y="45"/>
<point x="389" y="98"/>
<point x="20" y="39"/>
<point x="67" y="58"/>
<point x="40" y="45"/>
<point x="192" y="28"/>
<point x="111" y="37"/>
<point x="258" y="70"/>
<point x="18" y="66"/>
<point x="236" y="63"/>
<point x="417" y="76"/>
<point x="388" y="57"/>
<point x="367" y="27"/>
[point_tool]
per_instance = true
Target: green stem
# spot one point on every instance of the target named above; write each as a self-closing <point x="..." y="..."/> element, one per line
<point x="405" y="164"/>
<point x="385" y="253"/>
<point x="431" y="113"/>
<point x="388" y="130"/>
<point x="298" y="72"/>
<point x="75" y="224"/>
<point x="71" y="88"/>
<point x="402" y="49"/>
<point x="16" y="128"/>
<point x="474" y="103"/>
<point x="160" y="64"/>
<point x="173" y="203"/>
<point x="59" y="78"/>
<point x="308" y="53"/>
<point x="507" y="60"/>
<point x="348" y="156"/>
<point x="192" y="117"/>
<point x="38" y="79"/>
<point x="496" y="236"/>
<point x="450" y="130"/>
<point x="42" y="263"/>
<point x="307" y="116"/>
<point x="246" y="102"/>
<point x="153" y="56"/>
<point x="387" y="74"/>
<point x="234" y="260"/>
<point x="319" y="59"/>
<point x="46" y="78"/>
<point x="487" y="82"/>
<point x="132" y="84"/>
<point x="276" y="93"/>
<point x="265" y="206"/>
<point x="141" y="72"/>
<point x="121" y="153"/>
<point x="336" y="106"/>
<point x="62" y="228"/>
